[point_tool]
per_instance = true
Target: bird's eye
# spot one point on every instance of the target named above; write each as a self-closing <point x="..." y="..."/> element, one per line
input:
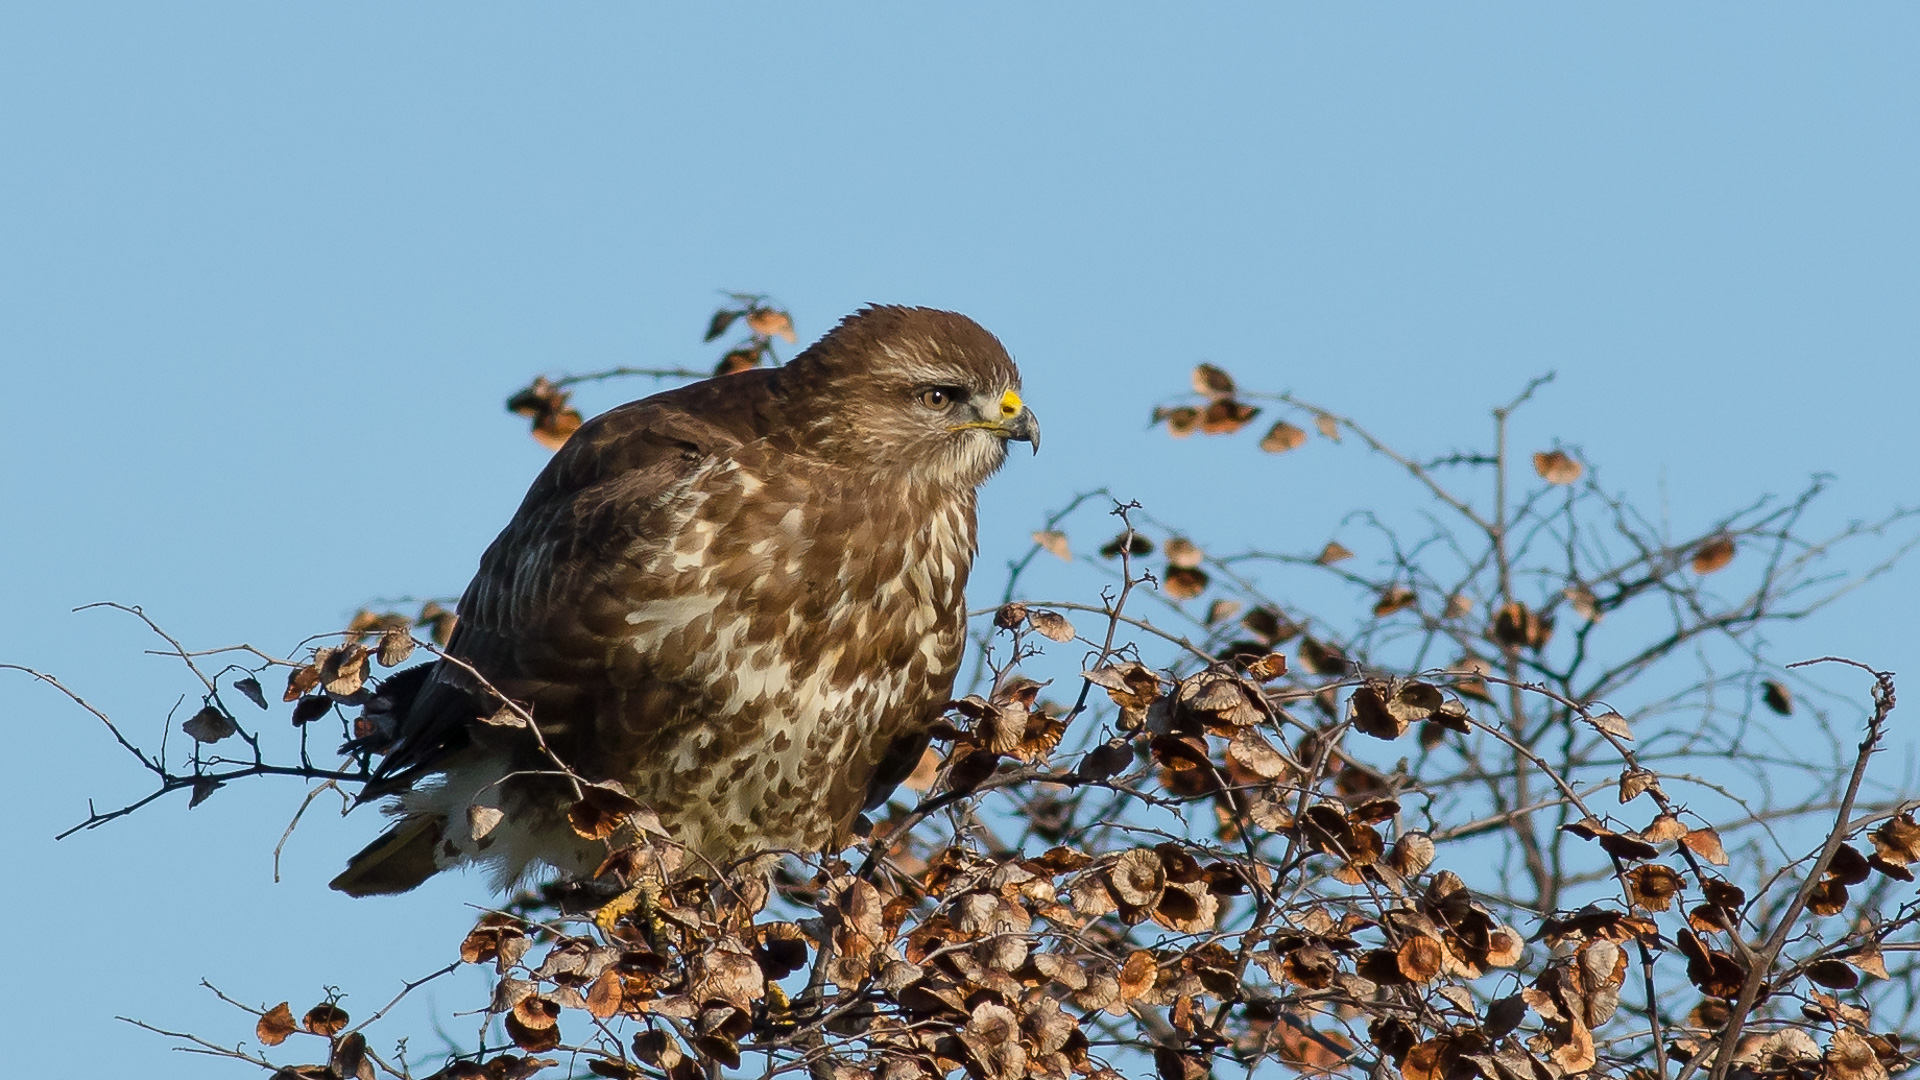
<point x="939" y="398"/>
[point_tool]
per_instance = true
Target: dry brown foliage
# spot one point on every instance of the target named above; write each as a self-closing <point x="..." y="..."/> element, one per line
<point x="1489" y="799"/>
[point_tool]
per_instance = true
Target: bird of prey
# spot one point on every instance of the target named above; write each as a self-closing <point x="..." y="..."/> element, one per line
<point x="742" y="600"/>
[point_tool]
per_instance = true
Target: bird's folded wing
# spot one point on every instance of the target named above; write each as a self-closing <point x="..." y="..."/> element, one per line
<point x="520" y="622"/>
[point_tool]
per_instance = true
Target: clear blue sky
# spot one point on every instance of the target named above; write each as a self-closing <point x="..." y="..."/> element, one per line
<point x="267" y="272"/>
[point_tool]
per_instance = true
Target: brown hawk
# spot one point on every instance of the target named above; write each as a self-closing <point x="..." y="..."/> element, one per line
<point x="742" y="600"/>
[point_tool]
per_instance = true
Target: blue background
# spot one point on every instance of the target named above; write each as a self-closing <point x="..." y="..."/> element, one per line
<point x="268" y="271"/>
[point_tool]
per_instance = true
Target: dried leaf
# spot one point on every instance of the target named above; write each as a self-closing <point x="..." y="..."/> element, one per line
<point x="1777" y="697"/>
<point x="1850" y="1056"/>
<point x="1713" y="555"/>
<point x="1705" y="843"/>
<point x="482" y="820"/>
<point x="1612" y="723"/>
<point x="1334" y="552"/>
<point x="744" y="358"/>
<point x="209" y="725"/>
<point x="1848" y="866"/>
<point x="1555" y="467"/>
<point x="1663" y="828"/>
<point x="343" y="670"/>
<point x="303" y="680"/>
<point x="1269" y="626"/>
<point x="1137" y="878"/>
<point x="1412" y="853"/>
<point x="1051" y="625"/>
<point x="1010" y="616"/>
<point x="1518" y="626"/>
<point x="1226" y="416"/>
<point x="349" y="1060"/>
<point x="1897" y="842"/>
<point x="1420" y="959"/>
<point x="1137" y="975"/>
<point x="1828" y="898"/>
<point x="533" y="1040"/>
<point x="275" y="1025"/>
<point x="1329" y="427"/>
<point x="1322" y="658"/>
<point x="720" y="321"/>
<point x="1181" y="421"/>
<point x="601" y="811"/>
<point x="1833" y="974"/>
<point x="771" y="322"/>
<point x="250" y="687"/>
<point x="1266" y="668"/>
<point x="552" y="431"/>
<point x="438" y="621"/>
<point x="1109" y="758"/>
<point x="1055" y="543"/>
<point x="1395" y="598"/>
<point x="1583" y="602"/>
<point x="1255" y="756"/>
<point x="309" y="709"/>
<point x="1184" y="583"/>
<point x="545" y="403"/>
<point x="1653" y="886"/>
<point x="203" y="789"/>
<point x="1210" y="381"/>
<point x="325" y="1018"/>
<point x="396" y="645"/>
<point x="1283" y="437"/>
<point x="1184" y="553"/>
<point x="1621" y="845"/>
<point x="1635" y="783"/>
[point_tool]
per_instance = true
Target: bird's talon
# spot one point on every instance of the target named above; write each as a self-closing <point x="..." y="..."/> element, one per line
<point x="642" y="897"/>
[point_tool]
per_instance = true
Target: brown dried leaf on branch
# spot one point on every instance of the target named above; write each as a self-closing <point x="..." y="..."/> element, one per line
<point x="1394" y="598"/>
<point x="1181" y="420"/>
<point x="1386" y="708"/>
<point x="1054" y="542"/>
<point x="275" y="1025"/>
<point x="545" y="403"/>
<point x="1212" y="383"/>
<point x="722" y="319"/>
<point x="1713" y="555"/>
<point x="1518" y="626"/>
<point x="601" y="810"/>
<point x="1776" y="697"/>
<point x="1555" y="467"/>
<point x="1051" y="625"/>
<point x="1282" y="437"/>
<point x="209" y="725"/>
<point x="1226" y="416"/>
<point x="744" y="358"/>
<point x="1184" y="582"/>
<point x="325" y="1018"/>
<point x="1184" y="553"/>
<point x="771" y="322"/>
<point x="439" y="622"/>
<point x="1130" y="542"/>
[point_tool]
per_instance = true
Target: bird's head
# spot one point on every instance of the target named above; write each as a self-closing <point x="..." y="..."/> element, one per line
<point x="928" y="393"/>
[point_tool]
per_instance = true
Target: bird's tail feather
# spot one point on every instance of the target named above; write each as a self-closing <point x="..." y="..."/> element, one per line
<point x="403" y="856"/>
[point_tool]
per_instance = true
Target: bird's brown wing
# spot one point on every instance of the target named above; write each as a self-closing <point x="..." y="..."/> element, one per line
<point x="616" y="479"/>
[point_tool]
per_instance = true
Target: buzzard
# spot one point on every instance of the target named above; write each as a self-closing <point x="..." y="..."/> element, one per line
<point x="742" y="600"/>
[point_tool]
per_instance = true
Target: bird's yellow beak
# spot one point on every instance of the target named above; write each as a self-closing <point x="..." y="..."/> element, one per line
<point x="1014" y="422"/>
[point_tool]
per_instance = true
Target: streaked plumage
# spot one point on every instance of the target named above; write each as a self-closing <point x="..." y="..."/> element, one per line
<point x="742" y="599"/>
